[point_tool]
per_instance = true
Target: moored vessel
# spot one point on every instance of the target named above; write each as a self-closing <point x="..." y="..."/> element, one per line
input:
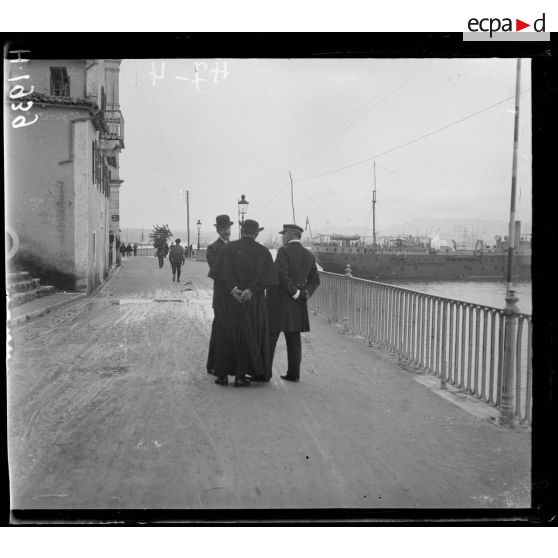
<point x="413" y="257"/>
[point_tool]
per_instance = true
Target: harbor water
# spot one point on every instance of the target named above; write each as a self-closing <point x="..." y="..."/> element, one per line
<point x="488" y="293"/>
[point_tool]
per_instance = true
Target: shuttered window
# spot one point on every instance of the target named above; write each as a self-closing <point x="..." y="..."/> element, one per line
<point x="59" y="81"/>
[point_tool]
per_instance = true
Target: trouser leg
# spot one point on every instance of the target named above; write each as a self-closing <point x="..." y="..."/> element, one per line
<point x="178" y="268"/>
<point x="294" y="353"/>
<point x="273" y="337"/>
<point x="161" y="258"/>
<point x="211" y="352"/>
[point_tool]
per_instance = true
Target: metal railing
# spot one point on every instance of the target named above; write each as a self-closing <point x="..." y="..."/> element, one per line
<point x="459" y="342"/>
<point x="145" y="251"/>
<point x="151" y="251"/>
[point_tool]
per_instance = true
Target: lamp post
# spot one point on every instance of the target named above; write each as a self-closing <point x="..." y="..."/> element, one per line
<point x="507" y="409"/>
<point x="198" y="224"/>
<point x="242" y="209"/>
<point x="186" y="194"/>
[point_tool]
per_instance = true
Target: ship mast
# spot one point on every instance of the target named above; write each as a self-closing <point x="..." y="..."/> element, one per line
<point x="374" y="208"/>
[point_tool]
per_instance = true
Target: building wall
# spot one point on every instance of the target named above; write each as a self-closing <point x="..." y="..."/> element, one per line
<point x="91" y="211"/>
<point x="61" y="218"/>
<point x="40" y="194"/>
<point x="114" y="211"/>
<point x="39" y="70"/>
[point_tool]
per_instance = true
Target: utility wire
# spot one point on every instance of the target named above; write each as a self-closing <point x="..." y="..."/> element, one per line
<point x="356" y="118"/>
<point x="346" y="125"/>
<point x="410" y="142"/>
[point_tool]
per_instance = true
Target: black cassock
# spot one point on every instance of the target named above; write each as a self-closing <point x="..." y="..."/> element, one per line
<point x="242" y="329"/>
<point x="213" y="251"/>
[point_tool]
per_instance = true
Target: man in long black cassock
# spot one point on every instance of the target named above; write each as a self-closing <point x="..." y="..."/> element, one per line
<point x="288" y="312"/>
<point x="242" y="332"/>
<point x="223" y="225"/>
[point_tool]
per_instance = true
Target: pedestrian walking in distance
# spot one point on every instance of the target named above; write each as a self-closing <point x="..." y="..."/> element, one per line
<point x="162" y="251"/>
<point x="135" y="249"/>
<point x="223" y="225"/>
<point x="288" y="312"/>
<point x="129" y="249"/>
<point x="242" y="333"/>
<point x="123" y="250"/>
<point x="176" y="259"/>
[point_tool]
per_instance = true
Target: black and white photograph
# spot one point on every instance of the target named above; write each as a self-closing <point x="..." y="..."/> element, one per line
<point x="268" y="282"/>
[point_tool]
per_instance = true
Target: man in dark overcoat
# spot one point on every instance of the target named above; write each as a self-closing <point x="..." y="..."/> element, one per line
<point x="242" y="332"/>
<point x="223" y="225"/>
<point x="176" y="259"/>
<point x="288" y="312"/>
<point x="162" y="250"/>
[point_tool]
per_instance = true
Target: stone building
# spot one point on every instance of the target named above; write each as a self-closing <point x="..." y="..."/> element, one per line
<point x="62" y="168"/>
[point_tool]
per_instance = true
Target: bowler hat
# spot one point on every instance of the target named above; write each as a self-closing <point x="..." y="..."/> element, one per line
<point x="223" y="221"/>
<point x="251" y="226"/>
<point x="291" y="227"/>
<point x="177" y="240"/>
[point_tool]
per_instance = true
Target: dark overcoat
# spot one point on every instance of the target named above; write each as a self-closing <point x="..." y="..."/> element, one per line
<point x="213" y="251"/>
<point x="176" y="254"/>
<point x="296" y="269"/>
<point x="242" y="331"/>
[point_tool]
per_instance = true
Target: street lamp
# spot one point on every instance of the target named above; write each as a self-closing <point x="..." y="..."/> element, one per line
<point x="186" y="194"/>
<point x="242" y="209"/>
<point x="198" y="224"/>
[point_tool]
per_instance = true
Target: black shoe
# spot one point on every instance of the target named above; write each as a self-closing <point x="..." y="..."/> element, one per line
<point x="224" y="381"/>
<point x="289" y="379"/>
<point x="241" y="382"/>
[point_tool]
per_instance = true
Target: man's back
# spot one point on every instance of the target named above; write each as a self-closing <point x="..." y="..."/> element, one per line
<point x="176" y="253"/>
<point x="245" y="264"/>
<point x="213" y="251"/>
<point x="301" y="262"/>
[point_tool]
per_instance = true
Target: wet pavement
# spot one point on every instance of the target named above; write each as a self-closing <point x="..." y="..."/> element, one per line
<point x="110" y="407"/>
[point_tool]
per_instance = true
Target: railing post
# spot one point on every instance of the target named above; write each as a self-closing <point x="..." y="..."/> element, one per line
<point x="510" y="327"/>
<point x="348" y="275"/>
<point x="443" y="372"/>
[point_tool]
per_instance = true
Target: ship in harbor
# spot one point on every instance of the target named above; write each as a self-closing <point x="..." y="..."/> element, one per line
<point x="417" y="257"/>
<point x="414" y="257"/>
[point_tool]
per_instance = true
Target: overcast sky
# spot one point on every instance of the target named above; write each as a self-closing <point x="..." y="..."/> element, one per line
<point x="243" y="132"/>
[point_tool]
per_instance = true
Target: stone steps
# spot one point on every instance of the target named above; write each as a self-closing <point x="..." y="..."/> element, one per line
<point x="17" y="276"/>
<point x="22" y="288"/>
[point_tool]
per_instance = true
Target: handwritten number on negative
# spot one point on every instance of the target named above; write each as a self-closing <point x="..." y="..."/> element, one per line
<point x="20" y="122"/>
<point x="21" y="93"/>
<point x="155" y="76"/>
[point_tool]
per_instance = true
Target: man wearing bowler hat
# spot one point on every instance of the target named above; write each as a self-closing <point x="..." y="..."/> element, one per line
<point x="223" y="225"/>
<point x="245" y="269"/>
<point x="288" y="313"/>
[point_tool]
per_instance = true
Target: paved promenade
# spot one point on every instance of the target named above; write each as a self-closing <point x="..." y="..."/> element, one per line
<point x="110" y="407"/>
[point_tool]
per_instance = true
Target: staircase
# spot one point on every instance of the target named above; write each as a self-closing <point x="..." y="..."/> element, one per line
<point x="22" y="288"/>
